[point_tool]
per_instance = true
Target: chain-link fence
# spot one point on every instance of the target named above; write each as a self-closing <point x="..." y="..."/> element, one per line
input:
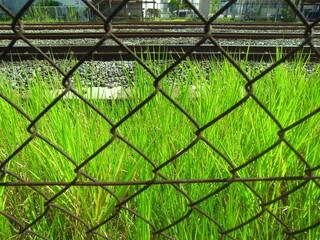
<point x="104" y="197"/>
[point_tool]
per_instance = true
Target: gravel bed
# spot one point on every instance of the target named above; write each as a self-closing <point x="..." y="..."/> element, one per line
<point x="136" y="41"/>
<point x="101" y="74"/>
<point x="90" y="73"/>
<point x="159" y="41"/>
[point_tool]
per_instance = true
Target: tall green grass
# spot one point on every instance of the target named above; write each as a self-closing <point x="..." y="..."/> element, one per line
<point x="160" y="130"/>
<point x="54" y="14"/>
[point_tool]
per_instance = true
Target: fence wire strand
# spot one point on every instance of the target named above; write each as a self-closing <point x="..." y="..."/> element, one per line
<point x="26" y="229"/>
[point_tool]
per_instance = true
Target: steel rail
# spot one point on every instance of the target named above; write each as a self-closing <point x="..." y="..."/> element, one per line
<point x="97" y="35"/>
<point x="167" y="23"/>
<point x="109" y="53"/>
<point x="152" y="25"/>
<point x="138" y="26"/>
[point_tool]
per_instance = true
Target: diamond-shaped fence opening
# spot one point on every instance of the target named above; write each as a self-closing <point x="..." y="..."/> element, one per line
<point x="225" y="148"/>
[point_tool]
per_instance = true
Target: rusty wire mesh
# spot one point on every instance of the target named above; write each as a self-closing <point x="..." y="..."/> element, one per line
<point x="28" y="229"/>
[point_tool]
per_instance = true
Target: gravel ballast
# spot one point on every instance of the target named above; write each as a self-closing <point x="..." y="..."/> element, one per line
<point x="108" y="74"/>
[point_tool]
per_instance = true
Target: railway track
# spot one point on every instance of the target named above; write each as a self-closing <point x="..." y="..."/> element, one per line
<point x="160" y="25"/>
<point x="74" y="32"/>
<point x="116" y="53"/>
<point x="52" y="31"/>
<point x="97" y="35"/>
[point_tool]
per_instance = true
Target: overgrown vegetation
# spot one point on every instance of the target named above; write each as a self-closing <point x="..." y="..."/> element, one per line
<point x="52" y="13"/>
<point x="161" y="130"/>
<point x="47" y="3"/>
